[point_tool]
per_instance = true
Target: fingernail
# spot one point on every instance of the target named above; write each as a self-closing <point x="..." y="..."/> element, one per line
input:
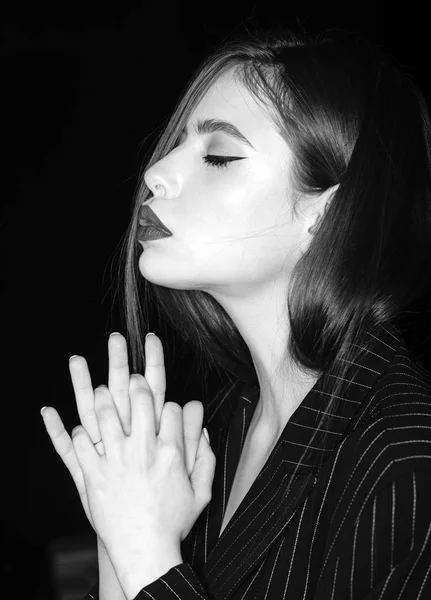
<point x="148" y="334"/>
<point x="115" y="333"/>
<point x="206" y="435"/>
<point x="74" y="356"/>
<point x="42" y="409"/>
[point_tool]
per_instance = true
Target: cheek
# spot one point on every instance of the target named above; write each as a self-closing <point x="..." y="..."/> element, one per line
<point x="212" y="212"/>
<point x="261" y="209"/>
<point x="230" y="205"/>
<point x="240" y="204"/>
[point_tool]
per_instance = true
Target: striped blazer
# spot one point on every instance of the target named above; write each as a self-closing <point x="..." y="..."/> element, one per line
<point x="357" y="523"/>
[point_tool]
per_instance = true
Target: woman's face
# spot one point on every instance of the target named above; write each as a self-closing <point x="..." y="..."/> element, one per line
<point x="230" y="216"/>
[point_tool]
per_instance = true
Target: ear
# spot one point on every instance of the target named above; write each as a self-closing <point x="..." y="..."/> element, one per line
<point x="321" y="206"/>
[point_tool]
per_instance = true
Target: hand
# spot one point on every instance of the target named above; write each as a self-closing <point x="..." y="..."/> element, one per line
<point x="118" y="380"/>
<point x="91" y="403"/>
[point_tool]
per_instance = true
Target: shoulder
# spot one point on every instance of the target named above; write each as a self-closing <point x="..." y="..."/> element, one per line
<point x="406" y="383"/>
<point x="392" y="438"/>
<point x="398" y="425"/>
<point x="383" y="464"/>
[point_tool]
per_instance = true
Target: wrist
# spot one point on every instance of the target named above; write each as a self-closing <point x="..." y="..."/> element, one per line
<point x="109" y="586"/>
<point x="138" y="567"/>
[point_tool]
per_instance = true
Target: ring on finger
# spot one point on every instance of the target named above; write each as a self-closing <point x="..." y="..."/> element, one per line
<point x="100" y="449"/>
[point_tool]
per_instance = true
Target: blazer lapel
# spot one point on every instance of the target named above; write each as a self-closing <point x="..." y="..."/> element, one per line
<point x="264" y="515"/>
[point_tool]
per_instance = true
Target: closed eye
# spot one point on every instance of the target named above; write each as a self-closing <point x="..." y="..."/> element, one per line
<point x="220" y="161"/>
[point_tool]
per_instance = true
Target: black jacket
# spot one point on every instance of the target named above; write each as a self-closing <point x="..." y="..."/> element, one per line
<point x="356" y="527"/>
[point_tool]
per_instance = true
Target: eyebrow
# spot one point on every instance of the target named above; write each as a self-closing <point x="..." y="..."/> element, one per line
<point x="213" y="125"/>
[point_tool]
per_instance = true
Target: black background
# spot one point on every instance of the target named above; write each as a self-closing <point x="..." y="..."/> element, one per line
<point x="85" y="89"/>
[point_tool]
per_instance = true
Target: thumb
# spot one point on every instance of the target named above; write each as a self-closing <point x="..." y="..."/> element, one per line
<point x="202" y="476"/>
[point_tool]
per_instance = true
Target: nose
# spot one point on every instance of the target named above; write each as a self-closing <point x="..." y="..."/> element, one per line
<point x="159" y="182"/>
<point x="159" y="190"/>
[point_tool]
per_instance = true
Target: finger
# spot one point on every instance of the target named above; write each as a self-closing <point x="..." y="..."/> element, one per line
<point x="193" y="413"/>
<point x="84" y="396"/>
<point x="155" y="374"/>
<point x="64" y="448"/>
<point x="142" y="408"/>
<point x="171" y="426"/>
<point x="109" y="424"/>
<point x="99" y="447"/>
<point x="119" y="378"/>
<point x="85" y="451"/>
<point x="203" y="472"/>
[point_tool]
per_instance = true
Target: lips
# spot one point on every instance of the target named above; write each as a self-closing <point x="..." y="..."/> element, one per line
<point x="148" y="218"/>
<point x="145" y="234"/>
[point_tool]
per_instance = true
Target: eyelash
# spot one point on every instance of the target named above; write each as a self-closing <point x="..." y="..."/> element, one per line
<point x="214" y="160"/>
<point x="220" y="161"/>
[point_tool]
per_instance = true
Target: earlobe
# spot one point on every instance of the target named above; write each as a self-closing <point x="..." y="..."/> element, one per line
<point x="312" y="230"/>
<point x="328" y="195"/>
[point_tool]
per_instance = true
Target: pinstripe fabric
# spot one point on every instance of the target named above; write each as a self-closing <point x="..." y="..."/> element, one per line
<point x="357" y="521"/>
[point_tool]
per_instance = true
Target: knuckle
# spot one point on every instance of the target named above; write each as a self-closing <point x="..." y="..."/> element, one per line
<point x="90" y="414"/>
<point x="76" y="431"/>
<point x="121" y="392"/>
<point x="172" y="452"/>
<point x="157" y="389"/>
<point x="104" y="412"/>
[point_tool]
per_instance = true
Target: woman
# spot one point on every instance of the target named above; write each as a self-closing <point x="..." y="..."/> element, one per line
<point x="293" y="186"/>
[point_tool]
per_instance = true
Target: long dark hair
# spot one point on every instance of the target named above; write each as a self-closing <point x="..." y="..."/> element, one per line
<point x="354" y="120"/>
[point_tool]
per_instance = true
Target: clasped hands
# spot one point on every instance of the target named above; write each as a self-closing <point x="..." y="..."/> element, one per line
<point x="144" y="487"/>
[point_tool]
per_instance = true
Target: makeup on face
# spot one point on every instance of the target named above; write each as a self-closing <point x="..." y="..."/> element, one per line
<point x="151" y="227"/>
<point x="148" y="233"/>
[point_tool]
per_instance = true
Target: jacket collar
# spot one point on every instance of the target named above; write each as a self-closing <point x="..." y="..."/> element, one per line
<point x="298" y="431"/>
<point x="245" y="540"/>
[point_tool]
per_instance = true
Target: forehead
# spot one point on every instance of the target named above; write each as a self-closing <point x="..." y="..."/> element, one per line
<point x="230" y="100"/>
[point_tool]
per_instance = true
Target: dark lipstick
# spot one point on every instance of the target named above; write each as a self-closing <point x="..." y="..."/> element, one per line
<point x="151" y="233"/>
<point x="148" y="218"/>
<point x="151" y="227"/>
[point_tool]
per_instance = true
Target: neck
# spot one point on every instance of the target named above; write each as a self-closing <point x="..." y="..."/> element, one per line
<point x="278" y="402"/>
